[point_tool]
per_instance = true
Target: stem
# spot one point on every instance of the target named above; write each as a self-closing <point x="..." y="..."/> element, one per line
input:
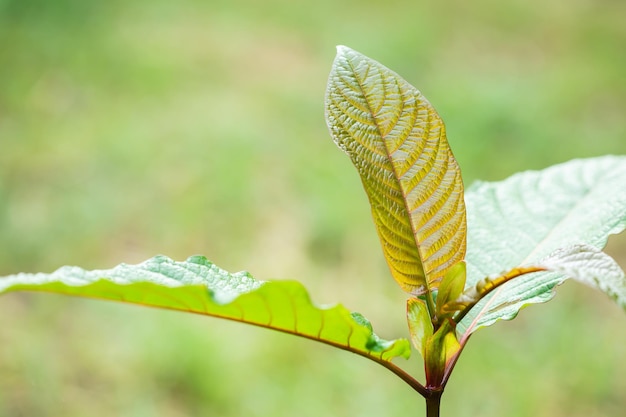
<point x="433" y="403"/>
<point x="450" y="366"/>
<point x="430" y="305"/>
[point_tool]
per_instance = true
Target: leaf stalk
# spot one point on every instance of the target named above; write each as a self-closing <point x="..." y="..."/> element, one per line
<point x="432" y="310"/>
<point x="487" y="285"/>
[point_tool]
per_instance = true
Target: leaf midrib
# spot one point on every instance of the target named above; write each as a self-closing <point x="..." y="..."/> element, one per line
<point x="393" y="168"/>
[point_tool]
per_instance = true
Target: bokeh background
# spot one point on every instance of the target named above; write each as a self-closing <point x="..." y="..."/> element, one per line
<point x="135" y="128"/>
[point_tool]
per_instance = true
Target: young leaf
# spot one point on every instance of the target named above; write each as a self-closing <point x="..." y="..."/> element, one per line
<point x="420" y="326"/>
<point x="451" y="288"/>
<point x="397" y="142"/>
<point x="522" y="220"/>
<point x="439" y="349"/>
<point x="198" y="286"/>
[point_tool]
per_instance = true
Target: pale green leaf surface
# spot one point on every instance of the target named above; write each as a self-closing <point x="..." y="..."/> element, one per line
<point x="589" y="266"/>
<point x="198" y="286"/>
<point x="525" y="218"/>
<point x="397" y="142"/>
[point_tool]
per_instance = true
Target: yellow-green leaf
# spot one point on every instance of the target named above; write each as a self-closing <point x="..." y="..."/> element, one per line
<point x="420" y="326"/>
<point x="438" y="352"/>
<point x="451" y="288"/>
<point x="199" y="286"/>
<point x="397" y="142"/>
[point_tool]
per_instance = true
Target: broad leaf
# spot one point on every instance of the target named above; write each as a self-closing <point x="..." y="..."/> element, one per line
<point x="397" y="142"/>
<point x="198" y="286"/>
<point x="524" y="219"/>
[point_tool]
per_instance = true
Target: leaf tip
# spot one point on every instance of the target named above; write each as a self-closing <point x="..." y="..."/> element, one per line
<point x="346" y="52"/>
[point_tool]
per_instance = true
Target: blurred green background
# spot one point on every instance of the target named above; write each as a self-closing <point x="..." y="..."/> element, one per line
<point x="135" y="128"/>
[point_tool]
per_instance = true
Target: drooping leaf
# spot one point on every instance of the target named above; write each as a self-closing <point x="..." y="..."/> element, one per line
<point x="397" y="142"/>
<point x="525" y="218"/>
<point x="198" y="286"/>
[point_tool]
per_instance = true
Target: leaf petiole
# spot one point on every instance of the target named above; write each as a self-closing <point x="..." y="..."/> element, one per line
<point x="432" y="310"/>
<point x="473" y="295"/>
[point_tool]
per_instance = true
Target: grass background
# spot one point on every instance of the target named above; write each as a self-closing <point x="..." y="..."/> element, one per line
<point x="133" y="128"/>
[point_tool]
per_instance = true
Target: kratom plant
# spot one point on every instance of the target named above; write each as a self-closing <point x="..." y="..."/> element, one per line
<point x="464" y="259"/>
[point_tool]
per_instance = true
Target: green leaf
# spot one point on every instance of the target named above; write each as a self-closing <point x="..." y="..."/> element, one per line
<point x="439" y="350"/>
<point x="451" y="288"/>
<point x="524" y="219"/>
<point x="420" y="326"/>
<point x="397" y="142"/>
<point x="198" y="286"/>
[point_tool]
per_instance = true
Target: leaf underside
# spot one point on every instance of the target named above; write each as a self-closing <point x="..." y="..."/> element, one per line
<point x="198" y="286"/>
<point x="589" y="266"/>
<point x="397" y="142"/>
<point x="527" y="217"/>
